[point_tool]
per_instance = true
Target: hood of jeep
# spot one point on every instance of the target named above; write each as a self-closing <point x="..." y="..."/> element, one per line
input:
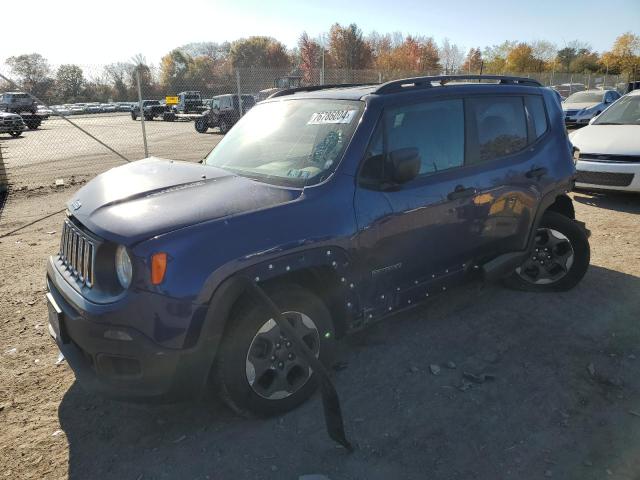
<point x="154" y="196"/>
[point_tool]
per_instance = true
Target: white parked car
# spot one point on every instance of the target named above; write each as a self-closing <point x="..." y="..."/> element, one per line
<point x="581" y="107"/>
<point x="608" y="150"/>
<point x="61" y="110"/>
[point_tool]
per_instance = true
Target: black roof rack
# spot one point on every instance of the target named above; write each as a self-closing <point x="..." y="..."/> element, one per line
<point x="313" y="88"/>
<point x="426" y="82"/>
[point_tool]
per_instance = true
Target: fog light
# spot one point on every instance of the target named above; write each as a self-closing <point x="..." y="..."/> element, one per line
<point x="117" y="335"/>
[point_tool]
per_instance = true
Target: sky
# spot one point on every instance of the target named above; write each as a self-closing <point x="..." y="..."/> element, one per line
<point x="101" y="32"/>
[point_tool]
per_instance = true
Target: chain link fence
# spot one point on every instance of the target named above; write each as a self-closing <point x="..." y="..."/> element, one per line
<point x="86" y="124"/>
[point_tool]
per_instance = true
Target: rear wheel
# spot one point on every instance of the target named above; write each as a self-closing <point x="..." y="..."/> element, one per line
<point x="16" y="133"/>
<point x="133" y="115"/>
<point x="559" y="258"/>
<point x="257" y="369"/>
<point x="224" y="126"/>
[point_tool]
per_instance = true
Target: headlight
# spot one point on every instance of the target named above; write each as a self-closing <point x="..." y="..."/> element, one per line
<point x="123" y="267"/>
<point x="576" y="155"/>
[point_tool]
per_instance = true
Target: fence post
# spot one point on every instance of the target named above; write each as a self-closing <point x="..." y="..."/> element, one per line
<point x="239" y="94"/>
<point x="4" y="181"/>
<point x="144" y="131"/>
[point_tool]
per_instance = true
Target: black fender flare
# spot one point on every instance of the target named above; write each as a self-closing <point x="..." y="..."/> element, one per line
<point x="224" y="287"/>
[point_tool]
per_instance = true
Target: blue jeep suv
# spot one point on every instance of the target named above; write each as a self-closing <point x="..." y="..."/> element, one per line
<point x="345" y="204"/>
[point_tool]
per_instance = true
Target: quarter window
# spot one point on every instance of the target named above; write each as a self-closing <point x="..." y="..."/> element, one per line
<point x="436" y="129"/>
<point x="535" y="107"/>
<point x="500" y="125"/>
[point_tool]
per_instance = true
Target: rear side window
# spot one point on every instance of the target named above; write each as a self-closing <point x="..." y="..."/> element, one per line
<point x="535" y="107"/>
<point x="500" y="127"/>
<point x="436" y="129"/>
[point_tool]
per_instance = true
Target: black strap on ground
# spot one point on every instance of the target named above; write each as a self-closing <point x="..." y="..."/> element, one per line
<point x="330" y="400"/>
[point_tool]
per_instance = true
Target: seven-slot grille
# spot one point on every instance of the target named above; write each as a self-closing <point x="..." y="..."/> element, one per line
<point x="77" y="253"/>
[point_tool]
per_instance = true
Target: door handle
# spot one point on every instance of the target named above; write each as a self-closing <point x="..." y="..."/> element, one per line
<point x="461" y="192"/>
<point x="536" y="172"/>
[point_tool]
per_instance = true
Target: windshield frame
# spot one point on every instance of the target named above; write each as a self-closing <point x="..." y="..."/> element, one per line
<point x="324" y="175"/>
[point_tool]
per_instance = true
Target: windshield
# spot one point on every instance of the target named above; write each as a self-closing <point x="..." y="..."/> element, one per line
<point x="585" y="97"/>
<point x="625" y="111"/>
<point x="292" y="142"/>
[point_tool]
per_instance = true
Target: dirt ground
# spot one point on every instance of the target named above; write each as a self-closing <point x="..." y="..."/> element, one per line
<point x="564" y="403"/>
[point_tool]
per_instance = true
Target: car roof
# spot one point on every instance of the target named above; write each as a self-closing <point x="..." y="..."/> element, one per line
<point x="406" y="85"/>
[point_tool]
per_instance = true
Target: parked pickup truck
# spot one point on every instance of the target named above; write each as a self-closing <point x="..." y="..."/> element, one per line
<point x="344" y="204"/>
<point x="151" y="109"/>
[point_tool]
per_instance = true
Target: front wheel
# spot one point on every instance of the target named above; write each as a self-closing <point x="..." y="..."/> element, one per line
<point x="16" y="133"/>
<point x="223" y="126"/>
<point x="134" y="116"/>
<point x="201" y="125"/>
<point x="559" y="258"/>
<point x="257" y="370"/>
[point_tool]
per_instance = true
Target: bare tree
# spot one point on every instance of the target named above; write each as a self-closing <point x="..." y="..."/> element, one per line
<point x="451" y="57"/>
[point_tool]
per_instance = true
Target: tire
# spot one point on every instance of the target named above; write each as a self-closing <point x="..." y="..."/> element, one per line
<point x="148" y="118"/>
<point x="133" y="115"/>
<point x="201" y="125"/>
<point x="16" y="133"/>
<point x="565" y="268"/>
<point x="233" y="368"/>
<point x="222" y="125"/>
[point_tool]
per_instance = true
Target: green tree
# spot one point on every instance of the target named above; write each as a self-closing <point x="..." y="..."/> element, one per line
<point x="117" y="74"/>
<point x="174" y="71"/>
<point x="264" y="52"/>
<point x="32" y="73"/>
<point x="69" y="83"/>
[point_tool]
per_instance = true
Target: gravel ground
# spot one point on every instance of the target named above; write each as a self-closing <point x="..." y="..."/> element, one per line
<point x="564" y="401"/>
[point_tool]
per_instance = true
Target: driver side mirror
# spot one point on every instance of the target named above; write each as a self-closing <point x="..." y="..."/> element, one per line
<point x="404" y="165"/>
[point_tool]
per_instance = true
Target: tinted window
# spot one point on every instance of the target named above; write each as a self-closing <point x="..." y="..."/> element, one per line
<point x="535" y="107"/>
<point x="500" y="126"/>
<point x="436" y="129"/>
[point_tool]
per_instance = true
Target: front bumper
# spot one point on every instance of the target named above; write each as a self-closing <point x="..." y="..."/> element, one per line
<point x="616" y="176"/>
<point x="120" y="361"/>
<point x="11" y="128"/>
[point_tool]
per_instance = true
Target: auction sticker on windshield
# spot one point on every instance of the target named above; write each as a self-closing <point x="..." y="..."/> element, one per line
<point x="333" y="116"/>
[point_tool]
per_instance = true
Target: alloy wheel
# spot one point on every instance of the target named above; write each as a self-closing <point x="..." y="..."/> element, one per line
<point x="273" y="369"/>
<point x="550" y="260"/>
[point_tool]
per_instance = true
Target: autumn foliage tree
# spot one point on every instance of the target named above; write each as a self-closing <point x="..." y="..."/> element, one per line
<point x="310" y="56"/>
<point x="348" y="48"/>
<point x="473" y="61"/>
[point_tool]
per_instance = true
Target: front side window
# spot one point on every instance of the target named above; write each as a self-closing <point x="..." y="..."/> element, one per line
<point x="435" y="128"/>
<point x="290" y="142"/>
<point x="500" y="125"/>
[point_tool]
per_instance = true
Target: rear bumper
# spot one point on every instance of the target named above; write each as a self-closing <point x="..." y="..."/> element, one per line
<point x="119" y="361"/>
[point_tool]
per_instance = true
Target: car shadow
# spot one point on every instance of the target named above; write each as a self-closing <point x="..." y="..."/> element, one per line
<point x="404" y="419"/>
<point x="618" y="201"/>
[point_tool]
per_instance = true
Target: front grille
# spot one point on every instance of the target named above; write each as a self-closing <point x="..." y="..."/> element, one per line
<point x="601" y="157"/>
<point x="570" y="112"/>
<point x="77" y="253"/>
<point x="605" y="178"/>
